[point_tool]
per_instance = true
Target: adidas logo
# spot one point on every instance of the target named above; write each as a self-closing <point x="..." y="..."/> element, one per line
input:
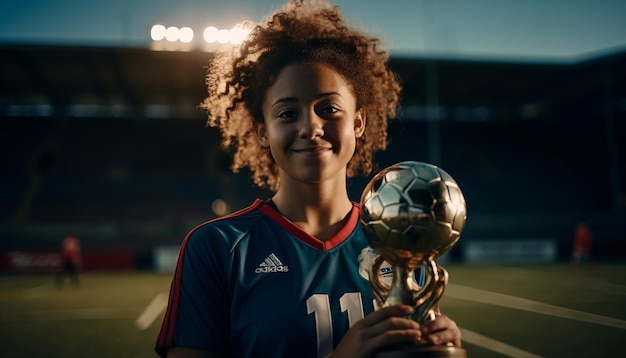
<point x="271" y="264"/>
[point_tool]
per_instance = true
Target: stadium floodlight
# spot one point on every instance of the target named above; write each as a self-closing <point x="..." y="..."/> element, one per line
<point x="182" y="38"/>
<point x="223" y="36"/>
<point x="210" y="34"/>
<point x="185" y="35"/>
<point x="157" y="32"/>
<point x="238" y="34"/>
<point x="171" y="34"/>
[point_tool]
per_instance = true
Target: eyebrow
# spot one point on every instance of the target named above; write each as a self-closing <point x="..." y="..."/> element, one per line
<point x="294" y="99"/>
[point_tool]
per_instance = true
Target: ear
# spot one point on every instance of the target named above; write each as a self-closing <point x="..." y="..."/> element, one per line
<point x="261" y="134"/>
<point x="359" y="123"/>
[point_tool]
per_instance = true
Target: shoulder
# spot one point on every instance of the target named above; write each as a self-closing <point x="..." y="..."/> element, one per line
<point x="226" y="230"/>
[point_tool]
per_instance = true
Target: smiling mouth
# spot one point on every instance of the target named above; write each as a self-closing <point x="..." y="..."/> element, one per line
<point x="312" y="150"/>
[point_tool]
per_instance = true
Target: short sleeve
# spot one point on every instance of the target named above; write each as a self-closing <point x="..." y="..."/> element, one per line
<point x="199" y="304"/>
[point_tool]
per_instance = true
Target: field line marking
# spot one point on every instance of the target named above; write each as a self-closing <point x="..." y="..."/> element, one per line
<point x="34" y="292"/>
<point x="568" y="279"/>
<point x="154" y="309"/>
<point x="493" y="345"/>
<point x="498" y="299"/>
<point x="69" y="314"/>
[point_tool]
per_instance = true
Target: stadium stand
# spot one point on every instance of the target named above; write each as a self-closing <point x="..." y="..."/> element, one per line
<point x="109" y="142"/>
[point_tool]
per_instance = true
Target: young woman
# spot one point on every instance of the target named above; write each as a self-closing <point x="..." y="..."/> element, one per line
<point x="304" y="104"/>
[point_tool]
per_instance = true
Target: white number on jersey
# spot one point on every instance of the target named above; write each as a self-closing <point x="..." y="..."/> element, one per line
<point x="319" y="304"/>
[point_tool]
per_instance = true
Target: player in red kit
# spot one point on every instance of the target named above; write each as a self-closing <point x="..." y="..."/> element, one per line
<point x="71" y="260"/>
<point x="582" y="246"/>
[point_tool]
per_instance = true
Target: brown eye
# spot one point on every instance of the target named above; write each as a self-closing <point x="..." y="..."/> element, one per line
<point x="330" y="110"/>
<point x="287" y="114"/>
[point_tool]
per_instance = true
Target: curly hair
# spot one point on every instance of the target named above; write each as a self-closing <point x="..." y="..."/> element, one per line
<point x="302" y="32"/>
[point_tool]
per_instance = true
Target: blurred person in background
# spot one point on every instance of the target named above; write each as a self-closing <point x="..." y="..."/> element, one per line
<point x="581" y="250"/>
<point x="71" y="261"/>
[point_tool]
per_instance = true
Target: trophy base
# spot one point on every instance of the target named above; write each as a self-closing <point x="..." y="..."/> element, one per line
<point x="420" y="350"/>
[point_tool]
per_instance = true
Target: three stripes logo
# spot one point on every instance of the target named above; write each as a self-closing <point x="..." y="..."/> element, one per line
<point x="271" y="264"/>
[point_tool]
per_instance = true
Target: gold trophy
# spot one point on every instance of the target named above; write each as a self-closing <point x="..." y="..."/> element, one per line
<point x="412" y="213"/>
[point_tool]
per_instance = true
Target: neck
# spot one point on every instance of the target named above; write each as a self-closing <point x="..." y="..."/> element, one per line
<point x="319" y="209"/>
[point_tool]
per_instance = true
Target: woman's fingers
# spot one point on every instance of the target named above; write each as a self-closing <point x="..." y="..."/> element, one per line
<point x="442" y="330"/>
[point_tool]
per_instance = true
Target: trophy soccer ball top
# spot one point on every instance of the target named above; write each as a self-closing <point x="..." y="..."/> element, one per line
<point x="412" y="212"/>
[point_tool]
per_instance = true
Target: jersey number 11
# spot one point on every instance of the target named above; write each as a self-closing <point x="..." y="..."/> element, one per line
<point x="319" y="304"/>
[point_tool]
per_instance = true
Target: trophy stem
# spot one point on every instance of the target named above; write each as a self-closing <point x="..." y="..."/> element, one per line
<point x="403" y="287"/>
<point x="436" y="280"/>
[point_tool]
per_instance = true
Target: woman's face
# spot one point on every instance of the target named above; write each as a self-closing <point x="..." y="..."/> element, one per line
<point x="311" y="123"/>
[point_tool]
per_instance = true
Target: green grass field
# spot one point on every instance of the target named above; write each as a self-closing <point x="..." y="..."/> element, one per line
<point x="516" y="311"/>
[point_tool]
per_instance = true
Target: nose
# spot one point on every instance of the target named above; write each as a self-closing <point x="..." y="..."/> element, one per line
<point x="311" y="126"/>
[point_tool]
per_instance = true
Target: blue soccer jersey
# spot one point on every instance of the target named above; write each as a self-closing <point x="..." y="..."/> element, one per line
<point x="253" y="284"/>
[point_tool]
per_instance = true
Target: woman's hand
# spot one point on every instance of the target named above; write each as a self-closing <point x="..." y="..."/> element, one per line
<point x="442" y="331"/>
<point x="389" y="326"/>
<point x="381" y="328"/>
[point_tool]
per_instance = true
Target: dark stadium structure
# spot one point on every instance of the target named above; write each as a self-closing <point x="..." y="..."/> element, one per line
<point x="110" y="143"/>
